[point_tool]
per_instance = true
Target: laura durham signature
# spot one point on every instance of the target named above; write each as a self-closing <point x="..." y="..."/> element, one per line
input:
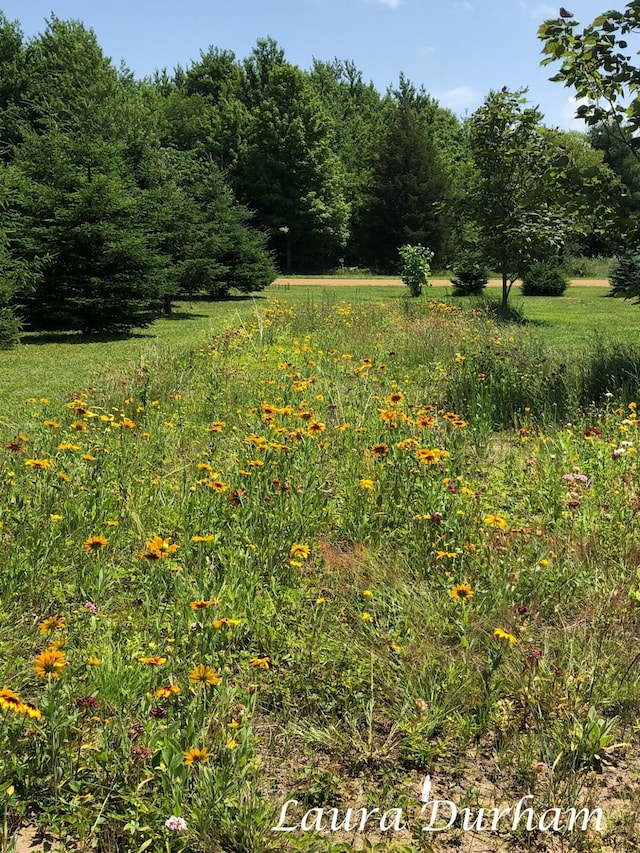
<point x="439" y="816"/>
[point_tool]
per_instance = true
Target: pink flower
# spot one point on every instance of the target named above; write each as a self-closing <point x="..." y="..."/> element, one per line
<point x="176" y="824"/>
<point x="91" y="607"/>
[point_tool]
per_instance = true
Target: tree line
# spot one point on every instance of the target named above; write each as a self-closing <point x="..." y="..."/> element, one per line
<point x="120" y="196"/>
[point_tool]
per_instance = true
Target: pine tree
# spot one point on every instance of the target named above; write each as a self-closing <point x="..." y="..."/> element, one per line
<point x="408" y="182"/>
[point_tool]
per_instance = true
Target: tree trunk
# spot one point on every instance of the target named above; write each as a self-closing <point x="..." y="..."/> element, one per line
<point x="289" y="253"/>
<point x="505" y="293"/>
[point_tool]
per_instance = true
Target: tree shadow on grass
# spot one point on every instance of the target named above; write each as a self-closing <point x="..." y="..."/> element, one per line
<point x="183" y="315"/>
<point x="42" y="338"/>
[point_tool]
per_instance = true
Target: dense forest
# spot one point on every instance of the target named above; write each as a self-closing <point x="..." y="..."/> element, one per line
<point x="121" y="195"/>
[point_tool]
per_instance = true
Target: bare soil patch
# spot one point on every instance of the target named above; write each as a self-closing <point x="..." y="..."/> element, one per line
<point x="396" y="282"/>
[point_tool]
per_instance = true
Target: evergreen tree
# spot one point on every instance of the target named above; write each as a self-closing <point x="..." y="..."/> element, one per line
<point x="290" y="175"/>
<point x="408" y="184"/>
<point x="201" y="232"/>
<point x="80" y="219"/>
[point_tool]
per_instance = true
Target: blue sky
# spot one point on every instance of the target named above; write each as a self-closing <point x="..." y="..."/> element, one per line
<point x="458" y="49"/>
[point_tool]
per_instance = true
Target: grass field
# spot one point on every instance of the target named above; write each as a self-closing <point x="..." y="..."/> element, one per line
<point x="318" y="546"/>
<point x="50" y="364"/>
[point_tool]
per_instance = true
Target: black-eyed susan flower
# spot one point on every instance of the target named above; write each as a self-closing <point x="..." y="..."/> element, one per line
<point x="461" y="592"/>
<point x="94" y="543"/>
<point x="52" y="623"/>
<point x="50" y="662"/>
<point x="299" y="550"/>
<point x="208" y="538"/>
<point x="158" y="548"/>
<point x="501" y="634"/>
<point x="204" y="675"/>
<point x="9" y="699"/>
<point x="378" y="451"/>
<point x="261" y="663"/>
<point x="225" y="622"/>
<point x="203" y="604"/>
<point x="217" y="485"/>
<point x="395" y="398"/>
<point x="153" y="661"/>
<point x="167" y="692"/>
<point x="38" y="464"/>
<point x="196" y="755"/>
<point x="496" y="521"/>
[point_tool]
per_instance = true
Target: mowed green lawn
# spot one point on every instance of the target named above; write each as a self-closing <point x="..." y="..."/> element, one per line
<point x="57" y="364"/>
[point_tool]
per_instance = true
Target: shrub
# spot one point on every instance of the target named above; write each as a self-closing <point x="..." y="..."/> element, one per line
<point x="469" y="277"/>
<point x="545" y="278"/>
<point x="416" y="267"/>
<point x="625" y="276"/>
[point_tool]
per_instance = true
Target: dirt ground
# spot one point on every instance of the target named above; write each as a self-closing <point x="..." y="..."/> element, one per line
<point x="396" y="282"/>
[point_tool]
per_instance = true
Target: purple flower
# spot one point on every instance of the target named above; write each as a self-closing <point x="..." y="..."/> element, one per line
<point x="91" y="607"/>
<point x="437" y="517"/>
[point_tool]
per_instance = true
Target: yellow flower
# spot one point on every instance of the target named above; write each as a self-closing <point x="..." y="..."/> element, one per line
<point x="55" y="517"/>
<point x="50" y="662"/>
<point x="395" y="398"/>
<point x="95" y="543"/>
<point x="9" y="700"/>
<point x="208" y="538"/>
<point x="504" y="635"/>
<point x="52" y="623"/>
<point x="315" y="427"/>
<point x="94" y="661"/>
<point x="225" y="622"/>
<point x="379" y="450"/>
<point x="203" y="604"/>
<point x="154" y="661"/>
<point x="461" y="591"/>
<point x="196" y="756"/>
<point x="217" y="485"/>
<point x="496" y="521"/>
<point x="367" y="617"/>
<point x="39" y="464"/>
<point x="366" y="484"/>
<point x="262" y="663"/>
<point x="231" y="743"/>
<point x="159" y="548"/>
<point x="167" y="692"/>
<point x="430" y="456"/>
<point x="298" y="550"/>
<point x="367" y="593"/>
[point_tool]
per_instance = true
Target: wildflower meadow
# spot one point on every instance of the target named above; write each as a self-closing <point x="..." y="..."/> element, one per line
<point x="334" y="549"/>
